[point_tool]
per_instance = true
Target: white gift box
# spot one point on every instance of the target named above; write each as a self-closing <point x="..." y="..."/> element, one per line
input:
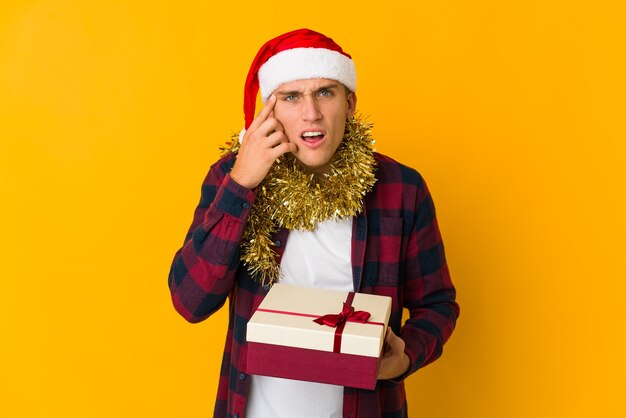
<point x="285" y="341"/>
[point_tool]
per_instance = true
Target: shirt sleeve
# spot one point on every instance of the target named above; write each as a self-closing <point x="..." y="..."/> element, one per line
<point x="429" y="294"/>
<point x="202" y="274"/>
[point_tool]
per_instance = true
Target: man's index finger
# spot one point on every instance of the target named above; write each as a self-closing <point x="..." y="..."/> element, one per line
<point x="264" y="113"/>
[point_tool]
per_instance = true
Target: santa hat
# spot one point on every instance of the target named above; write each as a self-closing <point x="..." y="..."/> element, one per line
<point x="298" y="55"/>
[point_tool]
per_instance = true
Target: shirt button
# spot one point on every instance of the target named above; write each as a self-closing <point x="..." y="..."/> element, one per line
<point x="278" y="243"/>
<point x="242" y="376"/>
<point x="246" y="205"/>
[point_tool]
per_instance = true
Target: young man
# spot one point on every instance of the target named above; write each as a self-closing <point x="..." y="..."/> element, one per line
<point x="304" y="200"/>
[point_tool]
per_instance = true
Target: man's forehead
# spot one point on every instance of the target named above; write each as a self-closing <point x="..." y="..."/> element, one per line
<point x="311" y="84"/>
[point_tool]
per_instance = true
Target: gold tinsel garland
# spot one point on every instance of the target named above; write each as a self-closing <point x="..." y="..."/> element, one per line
<point x="290" y="198"/>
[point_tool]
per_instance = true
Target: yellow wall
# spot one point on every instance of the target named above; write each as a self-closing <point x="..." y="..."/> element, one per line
<point x="111" y="113"/>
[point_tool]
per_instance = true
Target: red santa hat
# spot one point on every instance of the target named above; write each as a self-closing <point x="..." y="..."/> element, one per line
<point x="298" y="55"/>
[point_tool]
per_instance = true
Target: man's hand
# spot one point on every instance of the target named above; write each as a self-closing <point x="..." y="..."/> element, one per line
<point x="395" y="361"/>
<point x="263" y="142"/>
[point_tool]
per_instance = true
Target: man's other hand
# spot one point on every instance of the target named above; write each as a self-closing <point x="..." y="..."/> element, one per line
<point x="395" y="361"/>
<point x="263" y="142"/>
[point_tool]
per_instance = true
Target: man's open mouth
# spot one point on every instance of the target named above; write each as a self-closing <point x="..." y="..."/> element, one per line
<point x="312" y="136"/>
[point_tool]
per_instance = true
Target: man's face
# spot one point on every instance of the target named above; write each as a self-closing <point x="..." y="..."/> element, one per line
<point x="313" y="113"/>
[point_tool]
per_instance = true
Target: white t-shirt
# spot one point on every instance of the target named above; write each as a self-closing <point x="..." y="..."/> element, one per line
<point x="319" y="258"/>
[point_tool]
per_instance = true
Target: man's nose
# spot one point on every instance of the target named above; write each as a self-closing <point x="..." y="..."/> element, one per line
<point x="310" y="108"/>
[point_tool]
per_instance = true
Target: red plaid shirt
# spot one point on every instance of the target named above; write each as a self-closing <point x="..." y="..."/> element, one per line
<point x="396" y="251"/>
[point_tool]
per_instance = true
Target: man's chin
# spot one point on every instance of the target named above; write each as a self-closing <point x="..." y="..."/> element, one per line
<point x="313" y="166"/>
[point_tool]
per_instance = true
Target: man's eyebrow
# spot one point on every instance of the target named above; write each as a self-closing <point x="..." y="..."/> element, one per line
<point x="327" y="87"/>
<point x="294" y="92"/>
<point x="289" y="93"/>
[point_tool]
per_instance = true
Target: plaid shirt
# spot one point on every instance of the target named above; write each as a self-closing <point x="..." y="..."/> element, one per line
<point x="396" y="251"/>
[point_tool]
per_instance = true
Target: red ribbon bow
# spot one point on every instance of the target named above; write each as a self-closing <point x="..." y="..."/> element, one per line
<point x="347" y="314"/>
<point x="338" y="321"/>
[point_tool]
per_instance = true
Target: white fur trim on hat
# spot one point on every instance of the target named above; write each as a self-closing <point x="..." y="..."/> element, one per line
<point x="302" y="64"/>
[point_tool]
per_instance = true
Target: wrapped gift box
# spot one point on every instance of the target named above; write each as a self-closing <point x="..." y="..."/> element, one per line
<point x="285" y="341"/>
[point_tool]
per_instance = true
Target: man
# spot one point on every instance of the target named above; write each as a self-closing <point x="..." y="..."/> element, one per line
<point x="305" y="200"/>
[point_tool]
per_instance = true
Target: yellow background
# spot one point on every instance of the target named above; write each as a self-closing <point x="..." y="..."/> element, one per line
<point x="111" y="113"/>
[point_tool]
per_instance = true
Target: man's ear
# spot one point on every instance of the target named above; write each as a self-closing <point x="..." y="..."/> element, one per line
<point x="351" y="105"/>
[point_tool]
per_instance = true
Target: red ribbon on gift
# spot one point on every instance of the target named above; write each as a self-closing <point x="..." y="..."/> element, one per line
<point x="338" y="321"/>
<point x="347" y="314"/>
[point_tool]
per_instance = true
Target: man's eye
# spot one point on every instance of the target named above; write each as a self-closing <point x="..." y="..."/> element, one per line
<point x="290" y="98"/>
<point x="325" y="93"/>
